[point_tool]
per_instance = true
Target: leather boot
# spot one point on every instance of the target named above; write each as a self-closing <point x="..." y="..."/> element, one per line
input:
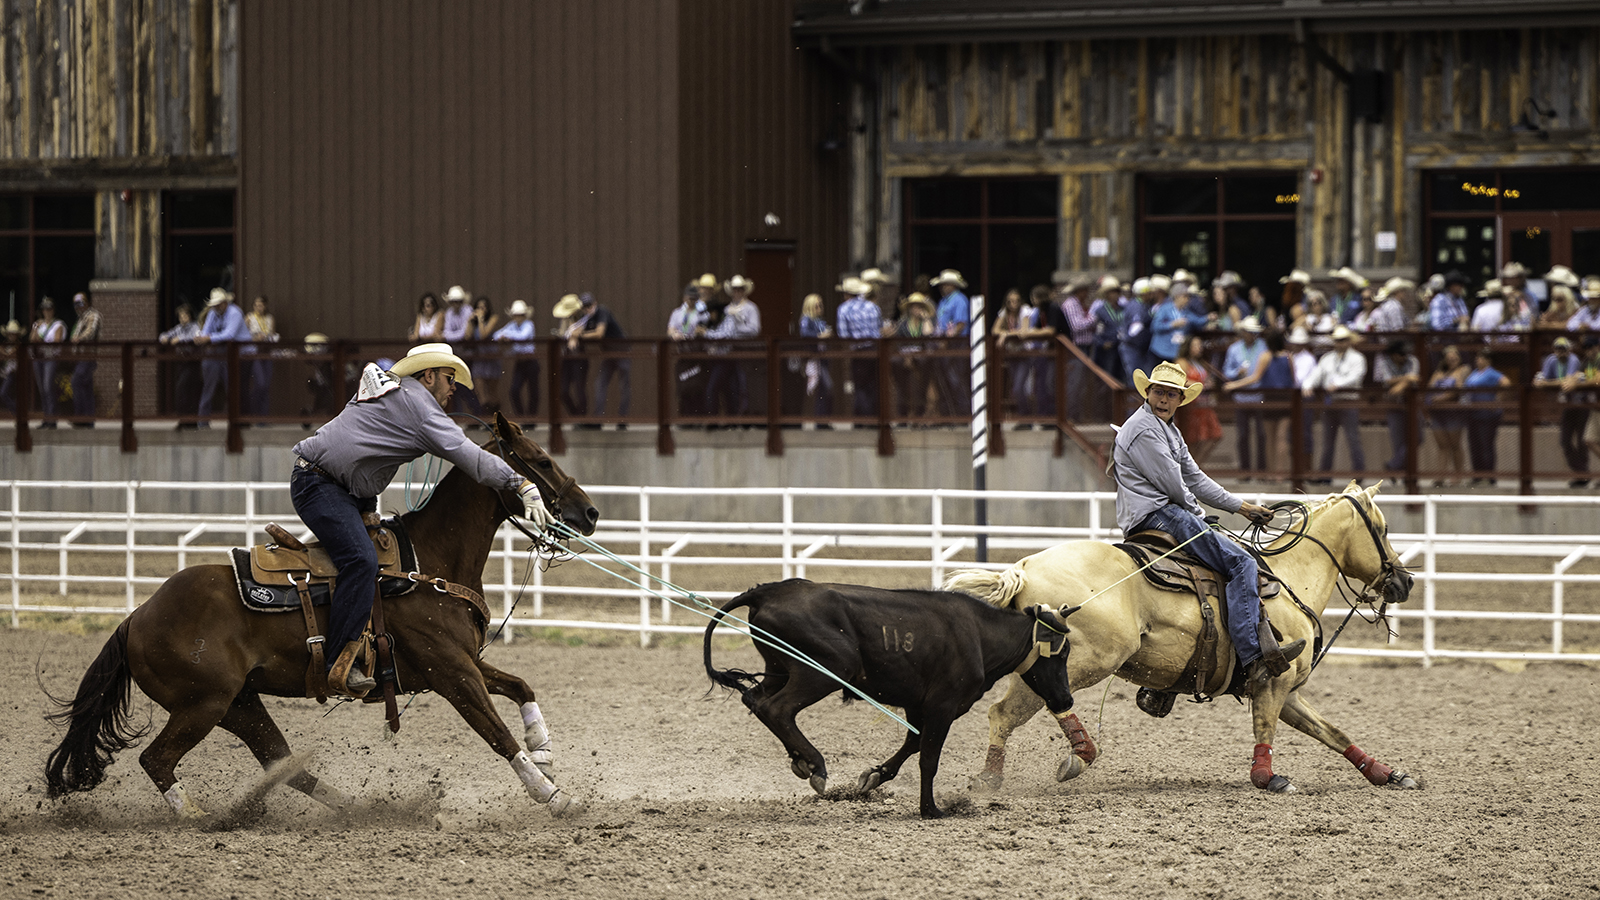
<point x="1262" y="670"/>
<point x="1277" y="658"/>
<point x="346" y="678"/>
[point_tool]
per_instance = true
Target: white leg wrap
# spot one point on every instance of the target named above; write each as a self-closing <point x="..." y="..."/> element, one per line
<point x="537" y="737"/>
<point x="178" y="799"/>
<point x="540" y="787"/>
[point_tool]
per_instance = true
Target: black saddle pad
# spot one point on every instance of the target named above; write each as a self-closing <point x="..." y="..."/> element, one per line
<point x="277" y="598"/>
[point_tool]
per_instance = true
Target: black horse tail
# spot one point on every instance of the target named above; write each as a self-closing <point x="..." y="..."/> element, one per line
<point x="97" y="722"/>
<point x="730" y="678"/>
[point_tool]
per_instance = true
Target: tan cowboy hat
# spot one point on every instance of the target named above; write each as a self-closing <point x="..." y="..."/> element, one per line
<point x="949" y="276"/>
<point x="316" y="342"/>
<point x="1250" y="325"/>
<point x="566" y="306"/>
<point x="1161" y="283"/>
<point x="1297" y="276"/>
<point x="1394" y="285"/>
<point x="13" y="328"/>
<point x="1492" y="290"/>
<point x="1342" y="333"/>
<point x="1171" y="375"/>
<point x="218" y="297"/>
<point x="875" y="277"/>
<point x="852" y="286"/>
<point x="1140" y="287"/>
<point x="739" y="281"/>
<point x="456" y="292"/>
<point x="1562" y="275"/>
<point x="707" y="280"/>
<point x="518" y="308"/>
<point x="1227" y="279"/>
<point x="432" y="356"/>
<point x="1108" y="284"/>
<point x="915" y="298"/>
<point x="1299" y="335"/>
<point x="1345" y="273"/>
<point x="1513" y="270"/>
<point x="1183" y="276"/>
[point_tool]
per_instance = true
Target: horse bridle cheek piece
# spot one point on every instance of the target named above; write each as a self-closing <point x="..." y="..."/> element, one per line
<point x="1387" y="567"/>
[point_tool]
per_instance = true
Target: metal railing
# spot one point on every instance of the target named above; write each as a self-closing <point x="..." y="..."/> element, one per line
<point x="109" y="560"/>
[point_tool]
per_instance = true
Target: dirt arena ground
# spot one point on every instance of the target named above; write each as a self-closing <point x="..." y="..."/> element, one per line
<point x="688" y="796"/>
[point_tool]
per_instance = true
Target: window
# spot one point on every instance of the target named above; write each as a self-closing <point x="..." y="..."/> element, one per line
<point x="46" y="250"/>
<point x="200" y="246"/>
<point x="1208" y="223"/>
<point x="1480" y="219"/>
<point x="999" y="233"/>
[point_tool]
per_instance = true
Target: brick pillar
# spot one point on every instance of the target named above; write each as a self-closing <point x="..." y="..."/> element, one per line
<point x="128" y="312"/>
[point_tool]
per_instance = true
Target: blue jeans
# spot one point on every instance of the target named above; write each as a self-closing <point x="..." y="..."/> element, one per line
<point x="334" y="515"/>
<point x="1227" y="558"/>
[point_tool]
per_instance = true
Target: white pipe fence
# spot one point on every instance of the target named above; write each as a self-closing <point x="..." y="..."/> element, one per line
<point x="83" y="563"/>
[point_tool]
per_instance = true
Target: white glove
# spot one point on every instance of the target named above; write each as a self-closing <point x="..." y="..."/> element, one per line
<point x="533" y="507"/>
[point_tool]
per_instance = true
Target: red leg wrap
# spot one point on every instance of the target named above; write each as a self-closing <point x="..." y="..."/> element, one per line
<point x="996" y="762"/>
<point x="1261" y="766"/>
<point x="1082" y="745"/>
<point x="1376" y="772"/>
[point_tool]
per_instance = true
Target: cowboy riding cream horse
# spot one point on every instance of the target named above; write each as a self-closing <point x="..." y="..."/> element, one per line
<point x="1128" y="627"/>
<point x="197" y="650"/>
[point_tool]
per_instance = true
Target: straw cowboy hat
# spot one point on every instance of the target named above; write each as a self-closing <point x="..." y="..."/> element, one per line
<point x="949" y="276"/>
<point x="1513" y="270"/>
<point x="1297" y="276"/>
<point x="455" y="294"/>
<point x="1394" y="285"/>
<point x="432" y="356"/>
<point x="1183" y="276"/>
<point x="1250" y="325"/>
<point x="518" y="308"/>
<point x="13" y="328"/>
<point x="916" y="298"/>
<point x="1299" y="335"/>
<point x="1562" y="275"/>
<point x="1108" y="284"/>
<point x="218" y="297"/>
<point x="1342" y="333"/>
<point x="1140" y="287"/>
<point x="852" y="286"/>
<point x="316" y="342"/>
<point x="707" y="280"/>
<point x="566" y="306"/>
<point x="741" y="282"/>
<point x="1492" y="290"/>
<point x="1167" y="374"/>
<point x="1345" y="273"/>
<point x="1160" y="283"/>
<point x="875" y="277"/>
<point x="1227" y="279"/>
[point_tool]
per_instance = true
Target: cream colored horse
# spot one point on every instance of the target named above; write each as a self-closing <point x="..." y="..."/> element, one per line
<point x="1147" y="636"/>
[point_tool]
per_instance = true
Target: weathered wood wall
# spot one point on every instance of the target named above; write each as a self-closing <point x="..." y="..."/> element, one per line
<point x="114" y="95"/>
<point x="1098" y="113"/>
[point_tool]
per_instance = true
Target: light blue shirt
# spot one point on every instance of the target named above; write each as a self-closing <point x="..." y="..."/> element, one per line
<point x="952" y="309"/>
<point x="523" y="332"/>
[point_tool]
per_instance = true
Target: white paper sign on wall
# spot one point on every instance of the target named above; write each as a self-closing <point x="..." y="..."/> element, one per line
<point x="1099" y="246"/>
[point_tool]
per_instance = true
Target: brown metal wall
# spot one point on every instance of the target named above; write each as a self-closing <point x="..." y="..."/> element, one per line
<point x="755" y="109"/>
<point x="395" y="146"/>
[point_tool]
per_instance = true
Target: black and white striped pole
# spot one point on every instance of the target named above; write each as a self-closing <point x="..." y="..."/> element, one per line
<point x="980" y="424"/>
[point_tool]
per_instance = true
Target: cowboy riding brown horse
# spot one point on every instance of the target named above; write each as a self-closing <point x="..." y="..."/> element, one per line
<point x="437" y="641"/>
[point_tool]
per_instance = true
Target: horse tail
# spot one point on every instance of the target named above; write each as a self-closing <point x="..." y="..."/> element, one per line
<point x="97" y="722"/>
<point x="735" y="679"/>
<point x="994" y="588"/>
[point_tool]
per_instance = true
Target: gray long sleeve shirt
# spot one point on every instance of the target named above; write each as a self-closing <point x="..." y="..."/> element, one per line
<point x="1154" y="468"/>
<point x="369" y="440"/>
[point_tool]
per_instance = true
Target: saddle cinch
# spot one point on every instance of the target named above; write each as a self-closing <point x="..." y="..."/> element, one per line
<point x="1183" y="572"/>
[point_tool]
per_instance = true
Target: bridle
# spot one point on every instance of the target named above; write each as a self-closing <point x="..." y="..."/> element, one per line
<point x="541" y="480"/>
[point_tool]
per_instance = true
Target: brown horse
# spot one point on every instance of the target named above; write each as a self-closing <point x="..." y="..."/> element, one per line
<point x="196" y="650"/>
<point x="1130" y="629"/>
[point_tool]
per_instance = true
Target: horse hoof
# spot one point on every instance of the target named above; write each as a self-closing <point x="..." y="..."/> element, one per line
<point x="869" y="779"/>
<point x="987" y="781"/>
<point x="819" y="783"/>
<point x="562" y="805"/>
<point x="1070" y="768"/>
<point x="1281" y="785"/>
<point x="1403" y="781"/>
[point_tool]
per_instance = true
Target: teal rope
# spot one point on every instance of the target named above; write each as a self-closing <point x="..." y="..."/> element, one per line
<point x="708" y="610"/>
<point x="430" y="481"/>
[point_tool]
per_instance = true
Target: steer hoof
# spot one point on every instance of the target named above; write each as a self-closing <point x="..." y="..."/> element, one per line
<point x="1070" y="768"/>
<point x="562" y="805"/>
<point x="819" y="783"/>
<point x="869" y="779"/>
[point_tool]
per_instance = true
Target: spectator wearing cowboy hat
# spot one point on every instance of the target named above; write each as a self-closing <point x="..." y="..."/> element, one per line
<point x="457" y="319"/>
<point x="1107" y="311"/>
<point x="686" y="323"/>
<point x="1587" y="318"/>
<point x="574" y="365"/>
<point x="883" y="290"/>
<point x="1244" y="365"/>
<point x="1563" y="285"/>
<point x="729" y="384"/>
<point x="1133" y="335"/>
<point x="1346" y="300"/>
<point x="8" y="369"/>
<point x="224" y="323"/>
<point x="341" y="469"/>
<point x="911" y="371"/>
<point x="520" y="331"/>
<point x="859" y="320"/>
<point x="1514" y="281"/>
<point x="1161" y="487"/>
<point x="599" y="330"/>
<point x="1447" y="311"/>
<point x="1564" y="370"/>
<point x="85" y="331"/>
<point x="951" y="319"/>
<point x="1072" y="323"/>
<point x="1340" y="373"/>
<point x="1294" y="292"/>
<point x="1227" y="297"/>
<point x="1390" y="313"/>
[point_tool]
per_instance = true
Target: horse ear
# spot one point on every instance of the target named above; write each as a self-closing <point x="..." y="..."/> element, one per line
<point x="1354" y="487"/>
<point x="503" y="427"/>
<point x="1373" y="491"/>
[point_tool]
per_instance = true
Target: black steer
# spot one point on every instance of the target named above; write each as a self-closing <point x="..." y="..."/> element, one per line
<point x="932" y="653"/>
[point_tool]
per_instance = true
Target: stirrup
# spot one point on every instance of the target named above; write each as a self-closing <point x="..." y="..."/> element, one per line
<point x="339" y="675"/>
<point x="1154" y="702"/>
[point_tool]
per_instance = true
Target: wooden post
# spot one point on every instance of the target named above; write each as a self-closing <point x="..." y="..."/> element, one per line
<point x="774" y="399"/>
<point x="130" y="440"/>
<point x="666" y="366"/>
